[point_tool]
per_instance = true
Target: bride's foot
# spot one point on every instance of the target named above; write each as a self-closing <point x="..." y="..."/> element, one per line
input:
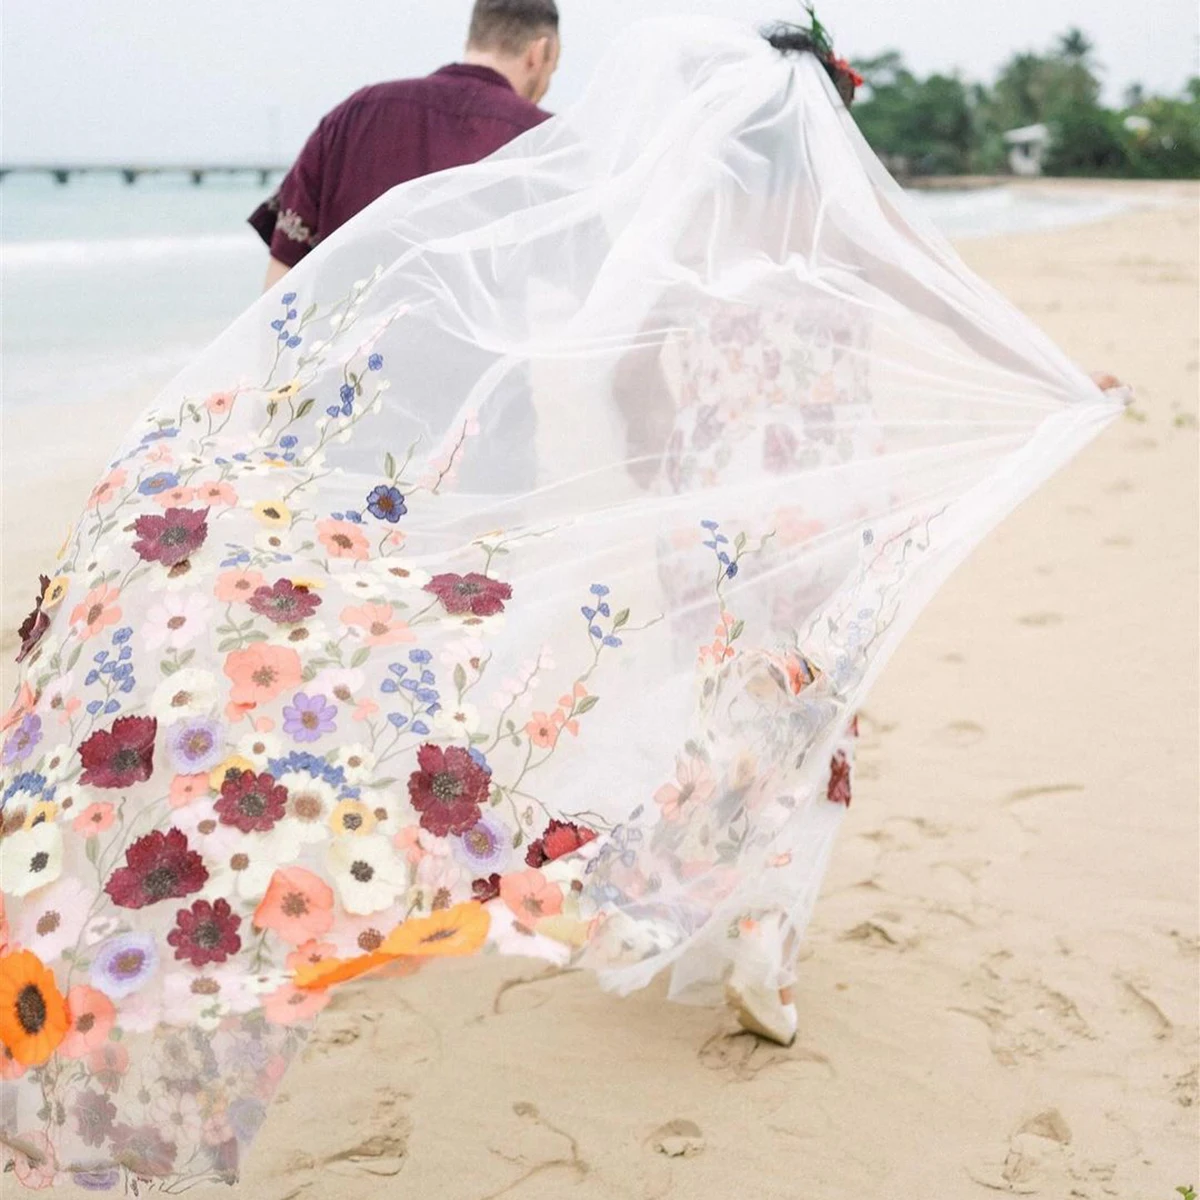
<point x="762" y="1011"/>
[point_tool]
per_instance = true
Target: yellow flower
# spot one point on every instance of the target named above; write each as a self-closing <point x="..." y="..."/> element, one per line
<point x="66" y="542"/>
<point x="42" y="812"/>
<point x="56" y="591"/>
<point x="286" y="392"/>
<point x="273" y="513"/>
<point x="233" y="764"/>
<point x="309" y="584"/>
<point x="353" y="817"/>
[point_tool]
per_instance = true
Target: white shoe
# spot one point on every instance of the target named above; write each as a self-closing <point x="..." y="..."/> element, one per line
<point x="760" y="1011"/>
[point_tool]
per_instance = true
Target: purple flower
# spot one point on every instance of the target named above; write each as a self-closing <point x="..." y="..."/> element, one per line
<point x="307" y="718"/>
<point x="163" y="481"/>
<point x="375" y="362"/>
<point x="484" y="847"/>
<point x="23" y="739"/>
<point x="386" y="503"/>
<point x="123" y="964"/>
<point x="195" y="746"/>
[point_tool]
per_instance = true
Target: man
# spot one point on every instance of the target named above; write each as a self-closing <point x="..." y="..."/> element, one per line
<point x="390" y="133"/>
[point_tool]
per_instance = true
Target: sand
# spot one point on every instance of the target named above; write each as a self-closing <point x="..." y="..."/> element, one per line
<point x="1001" y="995"/>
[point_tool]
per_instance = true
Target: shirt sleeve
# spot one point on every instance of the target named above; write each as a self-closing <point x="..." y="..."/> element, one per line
<point x="290" y="221"/>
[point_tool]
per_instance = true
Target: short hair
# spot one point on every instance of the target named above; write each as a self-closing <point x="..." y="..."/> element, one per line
<point x="510" y="25"/>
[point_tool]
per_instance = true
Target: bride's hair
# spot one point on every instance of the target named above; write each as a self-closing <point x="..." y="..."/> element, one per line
<point x="795" y="39"/>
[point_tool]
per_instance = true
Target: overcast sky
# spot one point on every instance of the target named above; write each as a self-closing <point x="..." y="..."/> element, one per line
<point x="242" y="79"/>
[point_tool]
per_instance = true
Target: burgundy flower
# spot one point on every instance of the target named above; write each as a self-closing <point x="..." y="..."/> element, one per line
<point x="35" y="624"/>
<point x="839" y="779"/>
<point x="285" y="603"/>
<point x="95" y="1113"/>
<point x="487" y="889"/>
<point x="475" y="594"/>
<point x="448" y="789"/>
<point x="143" y="1149"/>
<point x="159" y="866"/>
<point x="561" y="838"/>
<point x="206" y="933"/>
<point x="171" y="538"/>
<point x="121" y="756"/>
<point x="252" y="803"/>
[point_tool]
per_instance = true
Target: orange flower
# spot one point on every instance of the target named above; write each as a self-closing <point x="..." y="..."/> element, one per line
<point x="96" y="818"/>
<point x="92" y="1017"/>
<point x="329" y="971"/>
<point x="3" y="924"/>
<point x="543" y="729"/>
<point x="531" y="896"/>
<point x="290" y="1005"/>
<point x="343" y="539"/>
<point x="238" y="587"/>
<point x="107" y="488"/>
<point x="298" y="906"/>
<point x="97" y="610"/>
<point x="379" y="624"/>
<point x="260" y="673"/>
<point x="33" y="1015"/>
<point x="448" y="933"/>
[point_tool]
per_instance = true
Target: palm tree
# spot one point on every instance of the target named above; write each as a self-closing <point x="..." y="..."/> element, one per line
<point x="1074" y="45"/>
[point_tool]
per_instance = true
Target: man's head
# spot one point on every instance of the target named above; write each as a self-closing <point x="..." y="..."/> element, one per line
<point x="518" y="38"/>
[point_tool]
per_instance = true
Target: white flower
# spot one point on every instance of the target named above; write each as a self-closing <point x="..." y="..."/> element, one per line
<point x="362" y="587"/>
<point x="57" y="694"/>
<point x="245" y="869"/>
<point x="463" y="650"/>
<point x="187" y="693"/>
<point x="31" y="858"/>
<point x="59" y="762"/>
<point x="397" y="575"/>
<point x="457" y="722"/>
<point x="271" y="541"/>
<point x="304" y="635"/>
<point x="356" y="761"/>
<point x="438" y="871"/>
<point x="310" y="804"/>
<point x="341" y="684"/>
<point x="367" y="874"/>
<point x="52" y="921"/>
<point x="258" y="748"/>
<point x="175" y="621"/>
<point x="336" y="321"/>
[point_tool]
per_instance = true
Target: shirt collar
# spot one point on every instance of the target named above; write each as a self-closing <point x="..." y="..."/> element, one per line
<point x="476" y="71"/>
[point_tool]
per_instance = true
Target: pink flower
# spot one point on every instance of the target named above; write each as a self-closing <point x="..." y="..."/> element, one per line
<point x="108" y="488"/>
<point x="220" y="402"/>
<point x="343" y="539"/>
<point x="96" y="611"/>
<point x="186" y="788"/>
<point x="378" y="624"/>
<point x="175" y="497"/>
<point x="531" y="896"/>
<point x="693" y="785"/>
<point x="237" y="587"/>
<point x="214" y="494"/>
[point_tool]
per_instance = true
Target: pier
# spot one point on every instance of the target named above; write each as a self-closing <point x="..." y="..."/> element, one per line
<point x="131" y="172"/>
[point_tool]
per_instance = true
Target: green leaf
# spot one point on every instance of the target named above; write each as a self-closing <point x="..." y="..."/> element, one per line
<point x="305" y="407"/>
<point x="739" y="542"/>
<point x="93" y="850"/>
<point x="389" y="465"/>
<point x="185" y="658"/>
<point x="736" y="631"/>
<point x="74" y="657"/>
<point x="360" y="656"/>
<point x="272" y="407"/>
<point x="460" y="677"/>
<point x="478" y="739"/>
<point x="256" y="636"/>
<point x="621" y="618"/>
<point x="309" y="312"/>
<point x="168" y="667"/>
<point x="587" y="704"/>
<point x="518" y="838"/>
<point x="228" y="644"/>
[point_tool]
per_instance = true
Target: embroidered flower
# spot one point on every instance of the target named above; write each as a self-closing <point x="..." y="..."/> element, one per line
<point x="448" y="789"/>
<point x="386" y="503"/>
<point x="531" y="896"/>
<point x="121" y="756"/>
<point x="367" y="874"/>
<point x="561" y="838"/>
<point x="378" y="625"/>
<point x="309" y="718"/>
<point x="175" y="621"/>
<point x="33" y="1013"/>
<point x="485" y="847"/>
<point x="171" y="538"/>
<point x="474" y="593"/>
<point x="206" y="933"/>
<point x="20" y="744"/>
<point x="693" y="785"/>
<point x="251" y="803"/>
<point x="123" y="964"/>
<point x="838" y="790"/>
<point x="238" y="587"/>
<point x="96" y="611"/>
<point x="31" y="858"/>
<point x="298" y="906"/>
<point x="285" y="603"/>
<point x="262" y="672"/>
<point x="196" y="745"/>
<point x="92" y="1017"/>
<point x="158" y="866"/>
<point x="343" y="539"/>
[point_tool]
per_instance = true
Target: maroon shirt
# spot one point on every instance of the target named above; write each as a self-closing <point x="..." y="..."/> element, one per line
<point x="383" y="136"/>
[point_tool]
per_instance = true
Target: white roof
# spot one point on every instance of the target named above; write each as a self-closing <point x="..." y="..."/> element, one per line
<point x="1028" y="133"/>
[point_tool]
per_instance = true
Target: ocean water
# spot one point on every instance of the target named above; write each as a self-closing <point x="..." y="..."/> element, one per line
<point x="105" y="286"/>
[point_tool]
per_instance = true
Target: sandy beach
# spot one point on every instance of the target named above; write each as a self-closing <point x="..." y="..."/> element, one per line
<point x="1001" y="988"/>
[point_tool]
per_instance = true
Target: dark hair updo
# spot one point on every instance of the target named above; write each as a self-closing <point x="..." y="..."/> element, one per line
<point x="793" y="40"/>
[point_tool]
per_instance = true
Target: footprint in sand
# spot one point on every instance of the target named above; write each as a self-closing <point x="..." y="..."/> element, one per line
<point x="677" y="1139"/>
<point x="1040" y="620"/>
<point x="961" y="734"/>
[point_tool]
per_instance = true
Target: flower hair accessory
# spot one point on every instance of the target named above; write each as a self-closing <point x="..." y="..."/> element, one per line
<point x="813" y="38"/>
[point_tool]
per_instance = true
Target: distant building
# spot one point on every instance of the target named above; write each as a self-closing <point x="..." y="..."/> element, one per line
<point x="1138" y="124"/>
<point x="1027" y="148"/>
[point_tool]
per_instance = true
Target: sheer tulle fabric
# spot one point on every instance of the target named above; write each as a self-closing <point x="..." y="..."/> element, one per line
<point x="506" y="580"/>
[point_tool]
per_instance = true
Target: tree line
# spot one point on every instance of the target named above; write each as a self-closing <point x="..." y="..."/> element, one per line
<point x="942" y="125"/>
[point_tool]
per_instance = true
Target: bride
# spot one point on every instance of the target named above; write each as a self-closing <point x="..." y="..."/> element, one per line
<point x="505" y="581"/>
